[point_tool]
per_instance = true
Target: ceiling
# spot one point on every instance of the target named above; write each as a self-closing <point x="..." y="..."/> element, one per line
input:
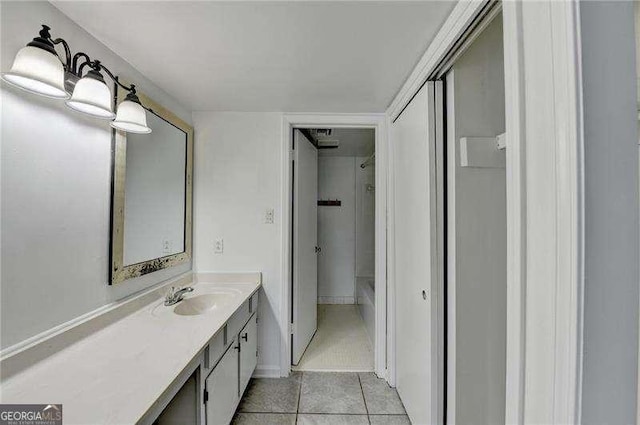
<point x="304" y="56"/>
<point x="353" y="142"/>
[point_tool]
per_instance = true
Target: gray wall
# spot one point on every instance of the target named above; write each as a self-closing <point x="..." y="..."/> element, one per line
<point x="611" y="213"/>
<point x="480" y="233"/>
<point x="55" y="190"/>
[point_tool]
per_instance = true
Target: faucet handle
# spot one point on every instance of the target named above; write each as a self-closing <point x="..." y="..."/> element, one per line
<point x="171" y="293"/>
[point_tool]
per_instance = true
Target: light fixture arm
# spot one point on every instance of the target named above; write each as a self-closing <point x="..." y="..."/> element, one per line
<point x="74" y="66"/>
<point x="101" y="67"/>
<point x="71" y="64"/>
<point x="67" y="50"/>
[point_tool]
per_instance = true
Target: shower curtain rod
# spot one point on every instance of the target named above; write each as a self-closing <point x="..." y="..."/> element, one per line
<point x="368" y="161"/>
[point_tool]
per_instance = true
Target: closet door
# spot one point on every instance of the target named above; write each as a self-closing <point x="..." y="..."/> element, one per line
<point x="416" y="274"/>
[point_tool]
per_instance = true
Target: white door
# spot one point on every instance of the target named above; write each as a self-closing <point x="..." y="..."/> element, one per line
<point x="413" y="138"/>
<point x="305" y="241"/>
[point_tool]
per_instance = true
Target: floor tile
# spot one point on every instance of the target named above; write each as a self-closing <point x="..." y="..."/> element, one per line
<point x="278" y="395"/>
<point x="331" y="393"/>
<point x="341" y="343"/>
<point x="389" y="420"/>
<point x="307" y="419"/>
<point x="264" y="419"/>
<point x="380" y="397"/>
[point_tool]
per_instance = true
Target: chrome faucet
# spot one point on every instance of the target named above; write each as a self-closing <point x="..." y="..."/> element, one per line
<point x="174" y="296"/>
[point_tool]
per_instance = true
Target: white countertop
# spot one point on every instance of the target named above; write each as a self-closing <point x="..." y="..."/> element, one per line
<point x="116" y="374"/>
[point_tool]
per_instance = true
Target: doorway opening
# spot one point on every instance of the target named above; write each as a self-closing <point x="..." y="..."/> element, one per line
<point x="290" y="324"/>
<point x="333" y="255"/>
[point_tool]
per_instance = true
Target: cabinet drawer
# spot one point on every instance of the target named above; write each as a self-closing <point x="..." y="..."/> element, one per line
<point x="217" y="346"/>
<point x="237" y="321"/>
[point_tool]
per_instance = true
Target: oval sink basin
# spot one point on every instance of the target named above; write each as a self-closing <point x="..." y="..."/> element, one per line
<point x="201" y="304"/>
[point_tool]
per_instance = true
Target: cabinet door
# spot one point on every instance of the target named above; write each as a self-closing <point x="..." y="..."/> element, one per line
<point x="222" y="388"/>
<point x="248" y="351"/>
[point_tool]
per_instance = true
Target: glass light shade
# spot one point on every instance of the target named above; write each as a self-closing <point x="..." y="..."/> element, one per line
<point x="131" y="117"/>
<point x="37" y="71"/>
<point x="92" y="97"/>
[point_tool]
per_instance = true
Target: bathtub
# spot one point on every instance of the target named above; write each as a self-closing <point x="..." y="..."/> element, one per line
<point x="365" y="298"/>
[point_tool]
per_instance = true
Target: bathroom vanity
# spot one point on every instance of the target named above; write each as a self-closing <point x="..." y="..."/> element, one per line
<point x="185" y="363"/>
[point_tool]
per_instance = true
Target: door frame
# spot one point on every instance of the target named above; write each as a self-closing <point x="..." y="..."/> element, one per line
<point x="378" y="122"/>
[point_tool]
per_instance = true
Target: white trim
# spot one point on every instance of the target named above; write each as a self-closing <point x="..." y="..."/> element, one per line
<point x="545" y="212"/>
<point x="453" y="28"/>
<point x="516" y="210"/>
<point x="451" y="249"/>
<point x="391" y="288"/>
<point x="303" y="120"/>
<point x="570" y="211"/>
<point x="336" y="300"/>
<point x="261" y="371"/>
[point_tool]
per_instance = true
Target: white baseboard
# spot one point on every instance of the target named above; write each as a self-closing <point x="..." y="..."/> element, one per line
<point x="266" y="372"/>
<point x="336" y="300"/>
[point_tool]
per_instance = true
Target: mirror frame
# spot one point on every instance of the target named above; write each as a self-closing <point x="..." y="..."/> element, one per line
<point x="118" y="272"/>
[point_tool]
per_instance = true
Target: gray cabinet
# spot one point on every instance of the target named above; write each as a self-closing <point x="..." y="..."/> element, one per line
<point x="248" y="338"/>
<point x="221" y="386"/>
<point x="230" y="376"/>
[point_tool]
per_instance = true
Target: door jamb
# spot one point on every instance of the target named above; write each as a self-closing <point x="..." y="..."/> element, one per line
<point x="379" y="123"/>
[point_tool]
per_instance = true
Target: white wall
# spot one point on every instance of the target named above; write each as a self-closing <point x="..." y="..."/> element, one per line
<point x="337" y="230"/>
<point x="610" y="340"/>
<point x="477" y="231"/>
<point x="236" y="178"/>
<point x="365" y="219"/>
<point x="55" y="190"/>
<point x="346" y="234"/>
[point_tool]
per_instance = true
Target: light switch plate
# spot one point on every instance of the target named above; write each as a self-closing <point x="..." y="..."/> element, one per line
<point x="218" y="246"/>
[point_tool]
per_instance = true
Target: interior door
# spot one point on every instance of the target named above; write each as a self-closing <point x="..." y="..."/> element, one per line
<point x="416" y="271"/>
<point x="305" y="241"/>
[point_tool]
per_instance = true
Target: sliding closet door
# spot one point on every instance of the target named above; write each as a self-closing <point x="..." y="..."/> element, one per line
<point x="413" y="138"/>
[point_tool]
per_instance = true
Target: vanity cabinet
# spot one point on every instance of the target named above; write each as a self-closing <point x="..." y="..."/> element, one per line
<point x="221" y="386"/>
<point x="229" y="375"/>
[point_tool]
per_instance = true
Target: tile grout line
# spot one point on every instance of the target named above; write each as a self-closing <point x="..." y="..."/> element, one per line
<point x="299" y="397"/>
<point x="364" y="398"/>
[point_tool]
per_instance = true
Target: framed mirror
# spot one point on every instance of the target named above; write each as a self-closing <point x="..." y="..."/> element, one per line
<point x="151" y="195"/>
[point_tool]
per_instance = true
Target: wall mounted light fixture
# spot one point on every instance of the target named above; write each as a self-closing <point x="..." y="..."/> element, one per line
<point x="38" y="69"/>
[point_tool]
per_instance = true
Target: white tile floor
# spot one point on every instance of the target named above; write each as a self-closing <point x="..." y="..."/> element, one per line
<point x="341" y="343"/>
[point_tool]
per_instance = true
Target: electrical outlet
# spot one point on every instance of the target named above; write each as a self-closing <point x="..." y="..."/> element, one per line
<point x="218" y="246"/>
<point x="268" y="216"/>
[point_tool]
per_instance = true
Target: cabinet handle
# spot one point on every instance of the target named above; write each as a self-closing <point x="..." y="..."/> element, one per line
<point x="245" y="336"/>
